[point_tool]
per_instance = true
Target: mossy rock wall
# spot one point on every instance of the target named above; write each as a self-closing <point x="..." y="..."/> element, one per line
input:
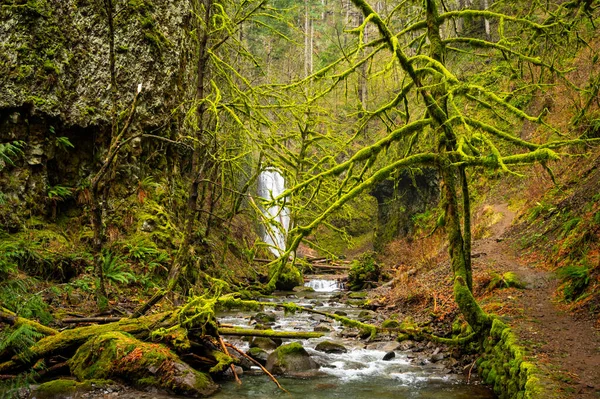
<point x="503" y="367"/>
<point x="399" y="200"/>
<point x="56" y="82"/>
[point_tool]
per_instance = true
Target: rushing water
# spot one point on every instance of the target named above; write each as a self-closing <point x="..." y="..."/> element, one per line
<point x="358" y="374"/>
<point x="270" y="185"/>
<point x="325" y="285"/>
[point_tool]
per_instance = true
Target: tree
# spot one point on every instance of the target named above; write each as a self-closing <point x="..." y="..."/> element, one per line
<point x="449" y="122"/>
<point x="219" y="125"/>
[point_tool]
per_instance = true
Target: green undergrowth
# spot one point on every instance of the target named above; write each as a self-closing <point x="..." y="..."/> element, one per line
<point x="562" y="229"/>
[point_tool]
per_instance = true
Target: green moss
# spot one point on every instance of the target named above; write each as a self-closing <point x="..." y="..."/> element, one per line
<point x="289" y="349"/>
<point x="62" y="388"/>
<point x="390" y="324"/>
<point x="118" y="354"/>
<point x="506" y="280"/>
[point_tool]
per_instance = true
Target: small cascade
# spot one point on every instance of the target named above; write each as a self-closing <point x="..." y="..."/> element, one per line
<point x="270" y="185"/>
<point x="322" y="285"/>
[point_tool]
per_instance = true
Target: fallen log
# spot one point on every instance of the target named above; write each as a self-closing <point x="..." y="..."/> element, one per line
<point x="334" y="267"/>
<point x="245" y="332"/>
<point x="96" y="320"/>
<point x="9" y="317"/>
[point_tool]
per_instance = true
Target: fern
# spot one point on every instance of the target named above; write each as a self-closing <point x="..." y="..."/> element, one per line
<point x="9" y="151"/>
<point x="19" y="340"/>
<point x="59" y="193"/>
<point x="63" y="143"/>
<point x="19" y="294"/>
<point x="113" y="266"/>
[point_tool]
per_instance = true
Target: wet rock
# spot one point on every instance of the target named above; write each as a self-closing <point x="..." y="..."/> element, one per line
<point x="303" y="288"/>
<point x="290" y="359"/>
<point x="436" y="357"/>
<point x="264" y="343"/>
<point x="258" y="354"/>
<point x="389" y="355"/>
<point x="406" y="345"/>
<point x="322" y="328"/>
<point x="357" y="295"/>
<point x="331" y="347"/>
<point x="340" y="313"/>
<point x="263" y="317"/>
<point x="366" y="315"/>
<point x="318" y="317"/>
<point x="384" y="346"/>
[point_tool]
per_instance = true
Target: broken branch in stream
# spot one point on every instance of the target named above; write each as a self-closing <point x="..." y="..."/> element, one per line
<point x="264" y="370"/>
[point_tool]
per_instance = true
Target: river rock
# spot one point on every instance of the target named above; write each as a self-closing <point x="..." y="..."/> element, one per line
<point x="340" y="313"/>
<point x="121" y="356"/>
<point x="290" y="359"/>
<point x="321" y="327"/>
<point x="389" y="356"/>
<point x="384" y="346"/>
<point x="258" y="354"/>
<point x="389" y="323"/>
<point x="366" y="315"/>
<point x="303" y="288"/>
<point x="265" y="318"/>
<point x="264" y="343"/>
<point x="331" y="347"/>
<point x="357" y="295"/>
<point x="406" y="345"/>
<point x="436" y="357"/>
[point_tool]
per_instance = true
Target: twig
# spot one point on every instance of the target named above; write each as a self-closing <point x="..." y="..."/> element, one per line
<point x="471" y="369"/>
<point x="264" y="370"/>
<point x="237" y="379"/>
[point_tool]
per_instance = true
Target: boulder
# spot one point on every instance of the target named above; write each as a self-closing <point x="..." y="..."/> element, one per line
<point x="331" y="347"/>
<point x="366" y="315"/>
<point x="303" y="288"/>
<point x="290" y="359"/>
<point x="258" y="354"/>
<point x="384" y="346"/>
<point x="321" y="327"/>
<point x="264" y="343"/>
<point x="265" y="318"/>
<point x="389" y="356"/>
<point x="120" y="355"/>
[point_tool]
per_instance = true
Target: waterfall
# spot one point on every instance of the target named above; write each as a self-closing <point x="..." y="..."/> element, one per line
<point x="320" y="285"/>
<point x="270" y="185"/>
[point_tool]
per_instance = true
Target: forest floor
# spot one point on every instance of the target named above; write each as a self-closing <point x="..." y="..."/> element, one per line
<point x="566" y="347"/>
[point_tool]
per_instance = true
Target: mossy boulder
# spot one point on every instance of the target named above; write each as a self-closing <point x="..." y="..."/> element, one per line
<point x="289" y="278"/>
<point x="264" y="343"/>
<point x="290" y="359"/>
<point x="390" y="323"/>
<point x="364" y="271"/>
<point x="264" y="318"/>
<point x="63" y="388"/>
<point x="120" y="355"/>
<point x="506" y="280"/>
<point x="331" y="347"/>
<point x="258" y="354"/>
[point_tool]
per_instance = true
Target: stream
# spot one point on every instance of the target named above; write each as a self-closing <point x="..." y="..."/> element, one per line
<point x="359" y="374"/>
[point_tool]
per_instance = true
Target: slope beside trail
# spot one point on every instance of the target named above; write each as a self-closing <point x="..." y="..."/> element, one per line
<point x="566" y="348"/>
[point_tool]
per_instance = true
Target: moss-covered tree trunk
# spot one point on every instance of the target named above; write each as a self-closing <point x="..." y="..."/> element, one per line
<point x="459" y="245"/>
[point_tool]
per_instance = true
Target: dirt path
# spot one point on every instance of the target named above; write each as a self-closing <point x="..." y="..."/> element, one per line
<point x="567" y="349"/>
